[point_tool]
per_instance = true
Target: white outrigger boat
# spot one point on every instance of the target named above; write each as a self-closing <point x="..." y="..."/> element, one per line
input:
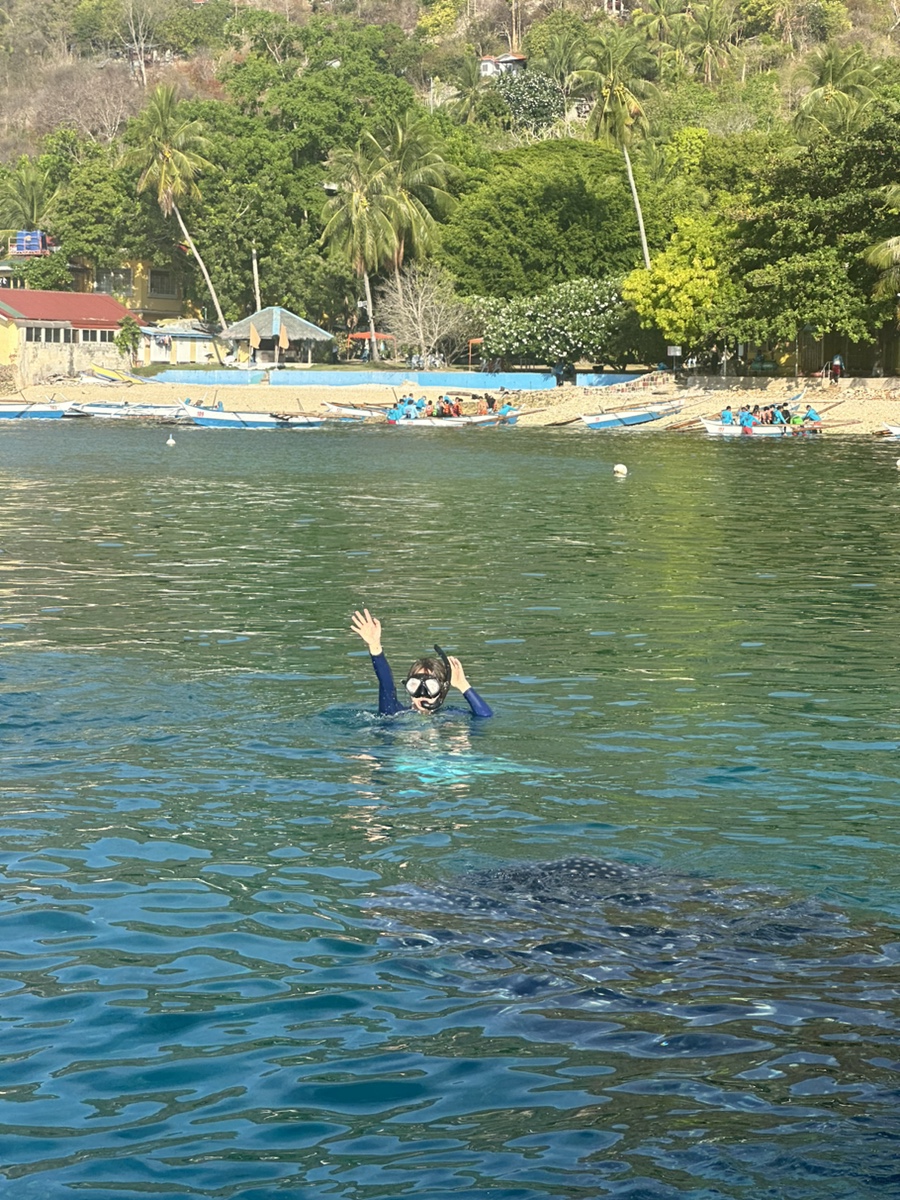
<point x="893" y="430"/>
<point x="491" y="419"/>
<point x="127" y="412"/>
<point x="41" y="410"/>
<point x="221" y="418"/>
<point x="355" y="412"/>
<point x="625" y="417"/>
<point x="719" y="429"/>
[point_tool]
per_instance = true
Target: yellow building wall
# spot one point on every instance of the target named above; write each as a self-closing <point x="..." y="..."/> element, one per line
<point x="9" y="342"/>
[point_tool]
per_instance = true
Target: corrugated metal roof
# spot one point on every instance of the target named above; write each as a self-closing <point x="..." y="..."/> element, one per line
<point x="82" y="310"/>
<point x="267" y="323"/>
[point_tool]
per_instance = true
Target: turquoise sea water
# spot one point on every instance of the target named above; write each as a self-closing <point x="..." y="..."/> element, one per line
<point x="255" y="942"/>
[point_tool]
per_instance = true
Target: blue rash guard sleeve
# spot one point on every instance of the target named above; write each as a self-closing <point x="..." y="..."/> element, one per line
<point x="388" y="704"/>
<point x="478" y="706"/>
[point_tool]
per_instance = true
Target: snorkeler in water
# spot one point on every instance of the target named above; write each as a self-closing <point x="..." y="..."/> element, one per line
<point x="428" y="681"/>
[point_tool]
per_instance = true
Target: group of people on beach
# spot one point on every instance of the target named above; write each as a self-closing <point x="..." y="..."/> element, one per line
<point x="770" y="414"/>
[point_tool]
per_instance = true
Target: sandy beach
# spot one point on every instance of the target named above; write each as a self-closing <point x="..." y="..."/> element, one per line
<point x="861" y="406"/>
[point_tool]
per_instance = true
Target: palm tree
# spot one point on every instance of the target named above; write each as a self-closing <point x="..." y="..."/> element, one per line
<point x="711" y="36"/>
<point x="414" y="175"/>
<point x="618" y="60"/>
<point x="27" y="198"/>
<point x="168" y="151"/>
<point x="839" y="90"/>
<point x="359" y="216"/>
<point x="658" y="19"/>
<point x="886" y="255"/>
<point x="562" y="59"/>
<point x="471" y="86"/>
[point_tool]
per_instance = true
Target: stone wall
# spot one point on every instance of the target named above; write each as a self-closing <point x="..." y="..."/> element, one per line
<point x="37" y="361"/>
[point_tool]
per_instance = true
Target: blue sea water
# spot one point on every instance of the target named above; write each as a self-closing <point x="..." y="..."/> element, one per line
<point x="636" y="936"/>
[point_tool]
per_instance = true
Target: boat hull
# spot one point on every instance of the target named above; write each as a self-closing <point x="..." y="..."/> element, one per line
<point x="31" y="412"/>
<point x="489" y="420"/>
<point x="626" y="417"/>
<point x="717" y="429"/>
<point x="210" y="418"/>
<point x="893" y="430"/>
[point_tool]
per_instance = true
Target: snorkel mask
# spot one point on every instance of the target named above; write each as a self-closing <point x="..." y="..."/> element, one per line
<point x="428" y="681"/>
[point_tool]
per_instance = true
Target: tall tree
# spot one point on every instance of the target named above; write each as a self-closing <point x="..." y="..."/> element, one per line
<point x="619" y="62"/>
<point x="168" y="150"/>
<point x="840" y="91"/>
<point x="712" y="36"/>
<point x="414" y="175"/>
<point x="471" y="86"/>
<point x="886" y="255"/>
<point x="27" y="198"/>
<point x="358" y="217"/>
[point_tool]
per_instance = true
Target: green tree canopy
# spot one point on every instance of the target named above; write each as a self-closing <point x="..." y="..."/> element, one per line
<point x="551" y="212"/>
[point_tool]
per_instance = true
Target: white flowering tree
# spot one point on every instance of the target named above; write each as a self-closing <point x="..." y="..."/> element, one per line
<point x="581" y="319"/>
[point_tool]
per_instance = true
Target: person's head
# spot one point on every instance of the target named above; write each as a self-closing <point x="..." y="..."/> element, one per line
<point x="427" y="682"/>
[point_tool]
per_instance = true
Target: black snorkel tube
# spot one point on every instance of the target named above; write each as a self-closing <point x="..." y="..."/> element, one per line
<point x="444" y="659"/>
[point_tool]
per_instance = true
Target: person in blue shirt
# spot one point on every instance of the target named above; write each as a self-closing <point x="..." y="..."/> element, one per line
<point x="504" y="410"/>
<point x="812" y="416"/>
<point x="428" y="681"/>
<point x="727" y="416"/>
<point x="746" y="420"/>
<point x="410" y="412"/>
<point x="420" y="404"/>
<point x="394" y="414"/>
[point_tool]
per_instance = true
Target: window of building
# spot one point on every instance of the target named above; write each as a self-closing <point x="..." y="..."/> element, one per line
<point x="68" y="335"/>
<point x="52" y="335"/>
<point x="113" y="281"/>
<point x="162" y="284"/>
<point x="107" y="335"/>
<point x="89" y="335"/>
<point x="32" y="333"/>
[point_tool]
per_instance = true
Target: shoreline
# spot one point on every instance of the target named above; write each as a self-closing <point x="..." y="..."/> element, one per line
<point x="861" y="406"/>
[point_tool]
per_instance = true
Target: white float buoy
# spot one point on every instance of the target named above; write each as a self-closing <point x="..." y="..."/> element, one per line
<point x="620" y="469"/>
<point x="898" y="464"/>
<point x="170" y="441"/>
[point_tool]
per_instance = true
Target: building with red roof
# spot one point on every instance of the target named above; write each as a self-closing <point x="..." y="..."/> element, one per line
<point x="57" y="333"/>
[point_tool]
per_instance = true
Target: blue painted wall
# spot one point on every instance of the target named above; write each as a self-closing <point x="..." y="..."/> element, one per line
<point x="476" y="381"/>
<point x="203" y="379"/>
<point x="588" y="379"/>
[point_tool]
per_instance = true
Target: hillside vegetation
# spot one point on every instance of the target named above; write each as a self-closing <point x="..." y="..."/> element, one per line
<point x="698" y="173"/>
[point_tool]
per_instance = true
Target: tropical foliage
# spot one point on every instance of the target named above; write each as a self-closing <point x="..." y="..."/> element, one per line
<point x="697" y="171"/>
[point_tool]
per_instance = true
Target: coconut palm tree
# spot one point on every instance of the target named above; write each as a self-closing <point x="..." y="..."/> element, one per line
<point x="712" y="36"/>
<point x="886" y="255"/>
<point x="27" y="198"/>
<point x="359" y="216"/>
<point x="562" y="59"/>
<point x="471" y="86"/>
<point x="658" y="20"/>
<point x="840" y="91"/>
<point x="619" y="61"/>
<point x="414" y="178"/>
<point x="168" y="150"/>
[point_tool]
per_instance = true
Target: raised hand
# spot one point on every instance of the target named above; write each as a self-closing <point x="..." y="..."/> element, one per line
<point x="457" y="674"/>
<point x="367" y="627"/>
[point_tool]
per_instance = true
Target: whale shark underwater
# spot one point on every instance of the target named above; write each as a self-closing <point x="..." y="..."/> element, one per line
<point x="580" y="926"/>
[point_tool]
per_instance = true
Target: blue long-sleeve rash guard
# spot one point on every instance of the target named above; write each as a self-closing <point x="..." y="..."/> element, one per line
<point x="389" y="705"/>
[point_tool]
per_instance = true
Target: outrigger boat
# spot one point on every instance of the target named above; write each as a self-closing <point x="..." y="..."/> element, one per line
<point x="718" y="429"/>
<point x="125" y="411"/>
<point x="220" y="418"/>
<point x="42" y="410"/>
<point x="490" y="419"/>
<point x="623" y="418"/>
<point x="355" y="412"/>
<point x="893" y="430"/>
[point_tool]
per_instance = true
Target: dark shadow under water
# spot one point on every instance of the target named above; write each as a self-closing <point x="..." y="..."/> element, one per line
<point x="767" y="1024"/>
